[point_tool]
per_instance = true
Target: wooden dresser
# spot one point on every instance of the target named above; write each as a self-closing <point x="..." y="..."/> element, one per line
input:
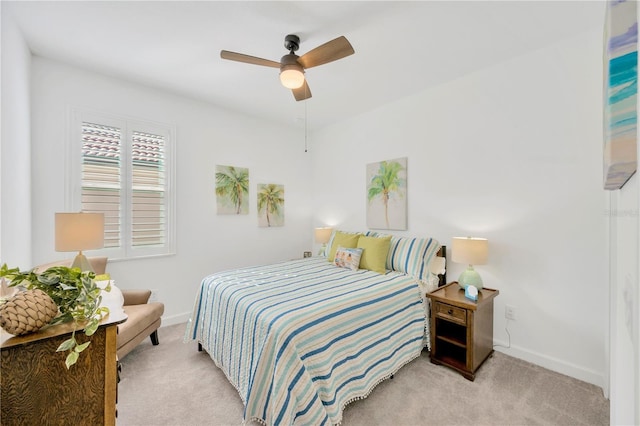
<point x="37" y="388"/>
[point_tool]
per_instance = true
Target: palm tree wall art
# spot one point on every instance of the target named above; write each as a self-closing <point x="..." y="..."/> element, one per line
<point x="387" y="194"/>
<point x="270" y="205"/>
<point x="232" y="190"/>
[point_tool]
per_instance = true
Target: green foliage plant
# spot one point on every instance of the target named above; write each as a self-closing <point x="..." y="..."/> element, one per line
<point x="75" y="292"/>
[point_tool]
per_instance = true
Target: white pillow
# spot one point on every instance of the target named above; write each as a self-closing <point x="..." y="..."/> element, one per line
<point x="438" y="265"/>
<point x="112" y="296"/>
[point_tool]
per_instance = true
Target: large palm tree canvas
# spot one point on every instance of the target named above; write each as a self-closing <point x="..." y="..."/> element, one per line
<point x="270" y="205"/>
<point x="232" y="190"/>
<point x="387" y="194"/>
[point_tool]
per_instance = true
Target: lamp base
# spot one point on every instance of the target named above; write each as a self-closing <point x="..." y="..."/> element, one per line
<point x="82" y="262"/>
<point x="323" y="250"/>
<point x="470" y="277"/>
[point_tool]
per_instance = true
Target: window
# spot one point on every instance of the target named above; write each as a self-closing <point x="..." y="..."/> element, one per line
<point x="123" y="168"/>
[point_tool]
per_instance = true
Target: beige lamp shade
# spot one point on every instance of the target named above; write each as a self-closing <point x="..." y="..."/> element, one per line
<point x="472" y="251"/>
<point x="322" y="235"/>
<point x="79" y="231"/>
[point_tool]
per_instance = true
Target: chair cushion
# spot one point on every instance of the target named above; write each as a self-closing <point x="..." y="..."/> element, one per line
<point x="136" y="297"/>
<point x="139" y="318"/>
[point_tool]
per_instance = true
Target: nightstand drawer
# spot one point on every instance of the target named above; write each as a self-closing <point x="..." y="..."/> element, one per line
<point x="451" y="313"/>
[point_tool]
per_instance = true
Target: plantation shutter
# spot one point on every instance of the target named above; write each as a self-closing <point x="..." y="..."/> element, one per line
<point x="148" y="189"/>
<point x="101" y="178"/>
<point x="125" y="171"/>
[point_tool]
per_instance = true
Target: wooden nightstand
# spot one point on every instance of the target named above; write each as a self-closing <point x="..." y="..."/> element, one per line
<point x="461" y="329"/>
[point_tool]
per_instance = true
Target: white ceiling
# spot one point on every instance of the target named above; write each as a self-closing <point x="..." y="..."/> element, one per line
<point x="401" y="47"/>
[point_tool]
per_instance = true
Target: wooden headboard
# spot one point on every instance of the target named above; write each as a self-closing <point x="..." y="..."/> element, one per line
<point x="443" y="277"/>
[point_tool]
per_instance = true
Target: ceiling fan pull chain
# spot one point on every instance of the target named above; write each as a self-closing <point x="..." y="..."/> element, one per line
<point x="305" y="127"/>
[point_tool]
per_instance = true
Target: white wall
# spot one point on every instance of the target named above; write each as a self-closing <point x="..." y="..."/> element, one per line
<point x="624" y="328"/>
<point x="206" y="136"/>
<point x="624" y="278"/>
<point x="512" y="153"/>
<point x="15" y="148"/>
<point x="623" y="213"/>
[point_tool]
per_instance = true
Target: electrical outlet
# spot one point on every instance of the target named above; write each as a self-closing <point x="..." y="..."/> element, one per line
<point x="510" y="312"/>
<point x="154" y="295"/>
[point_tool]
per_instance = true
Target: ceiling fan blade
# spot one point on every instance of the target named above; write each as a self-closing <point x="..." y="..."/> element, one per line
<point x="240" y="57"/>
<point x="303" y="92"/>
<point x="330" y="51"/>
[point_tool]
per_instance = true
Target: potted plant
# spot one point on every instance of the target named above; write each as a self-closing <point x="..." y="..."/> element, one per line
<point x="75" y="293"/>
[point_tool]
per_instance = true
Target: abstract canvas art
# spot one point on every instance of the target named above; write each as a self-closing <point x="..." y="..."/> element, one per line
<point x="387" y="194"/>
<point x="232" y="190"/>
<point x="620" y="93"/>
<point x="270" y="205"/>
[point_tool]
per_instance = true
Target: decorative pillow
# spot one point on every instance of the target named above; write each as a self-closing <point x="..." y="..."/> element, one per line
<point x="344" y="239"/>
<point x="374" y="255"/>
<point x="348" y="258"/>
<point x="412" y="256"/>
<point x="112" y="296"/>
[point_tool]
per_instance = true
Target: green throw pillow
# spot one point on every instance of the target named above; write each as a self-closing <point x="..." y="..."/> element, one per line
<point x="374" y="253"/>
<point x="342" y="239"/>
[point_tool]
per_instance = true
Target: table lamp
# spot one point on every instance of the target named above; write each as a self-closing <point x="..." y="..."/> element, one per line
<point x="322" y="236"/>
<point x="472" y="251"/>
<point x="78" y="232"/>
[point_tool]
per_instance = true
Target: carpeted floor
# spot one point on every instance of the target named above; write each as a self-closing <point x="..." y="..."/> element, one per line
<point x="174" y="384"/>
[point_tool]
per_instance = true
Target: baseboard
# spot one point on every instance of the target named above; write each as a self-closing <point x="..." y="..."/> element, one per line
<point x="168" y="320"/>
<point x="553" y="364"/>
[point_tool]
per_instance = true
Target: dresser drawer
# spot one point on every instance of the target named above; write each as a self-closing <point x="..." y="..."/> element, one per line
<point x="451" y="313"/>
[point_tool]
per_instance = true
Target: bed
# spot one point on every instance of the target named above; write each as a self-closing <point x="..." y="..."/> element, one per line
<point x="301" y="339"/>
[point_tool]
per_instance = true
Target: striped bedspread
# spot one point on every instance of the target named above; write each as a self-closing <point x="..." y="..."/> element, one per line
<point x="301" y="339"/>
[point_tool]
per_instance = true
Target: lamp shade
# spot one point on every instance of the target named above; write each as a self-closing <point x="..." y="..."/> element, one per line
<point x="472" y="251"/>
<point x="79" y="231"/>
<point x="291" y="76"/>
<point x="322" y="235"/>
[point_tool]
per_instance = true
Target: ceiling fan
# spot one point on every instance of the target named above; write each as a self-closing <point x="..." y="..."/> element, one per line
<point x="292" y="66"/>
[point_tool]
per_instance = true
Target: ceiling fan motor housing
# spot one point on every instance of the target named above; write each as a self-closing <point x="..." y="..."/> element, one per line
<point x="292" y="43"/>
<point x="291" y="72"/>
<point x="290" y="59"/>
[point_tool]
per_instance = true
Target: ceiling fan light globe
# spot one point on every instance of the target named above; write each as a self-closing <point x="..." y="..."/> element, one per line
<point x="291" y="78"/>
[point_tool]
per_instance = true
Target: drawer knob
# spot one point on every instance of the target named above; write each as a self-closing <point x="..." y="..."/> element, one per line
<point x="450" y="311"/>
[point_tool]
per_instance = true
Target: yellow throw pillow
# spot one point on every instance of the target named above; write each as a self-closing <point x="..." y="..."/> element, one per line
<point x="342" y="239"/>
<point x="374" y="253"/>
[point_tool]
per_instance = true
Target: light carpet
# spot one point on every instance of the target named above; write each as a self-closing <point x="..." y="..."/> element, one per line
<point x="174" y="384"/>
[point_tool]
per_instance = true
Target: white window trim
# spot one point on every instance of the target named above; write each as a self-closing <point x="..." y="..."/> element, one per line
<point x="73" y="177"/>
